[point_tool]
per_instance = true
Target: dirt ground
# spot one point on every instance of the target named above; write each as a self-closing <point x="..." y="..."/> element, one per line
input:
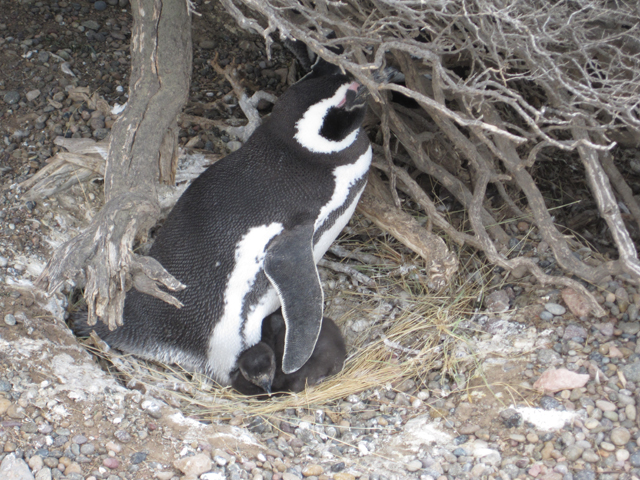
<point x="482" y="362"/>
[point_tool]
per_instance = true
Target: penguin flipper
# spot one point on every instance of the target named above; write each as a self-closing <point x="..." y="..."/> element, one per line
<point x="291" y="269"/>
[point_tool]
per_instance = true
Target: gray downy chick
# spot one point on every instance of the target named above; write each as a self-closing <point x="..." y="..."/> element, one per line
<point x="263" y="361"/>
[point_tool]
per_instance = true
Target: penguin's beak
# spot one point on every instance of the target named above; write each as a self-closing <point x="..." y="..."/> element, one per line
<point x="265" y="384"/>
<point x="355" y="96"/>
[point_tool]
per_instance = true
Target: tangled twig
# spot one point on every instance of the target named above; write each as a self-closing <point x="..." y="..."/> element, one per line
<point x="497" y="84"/>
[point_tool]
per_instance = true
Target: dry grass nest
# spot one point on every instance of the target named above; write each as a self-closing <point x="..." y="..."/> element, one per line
<point x="416" y="336"/>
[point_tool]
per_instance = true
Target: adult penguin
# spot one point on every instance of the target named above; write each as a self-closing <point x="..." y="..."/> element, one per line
<point x="246" y="235"/>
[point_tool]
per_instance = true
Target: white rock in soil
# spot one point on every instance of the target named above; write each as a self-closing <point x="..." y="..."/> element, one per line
<point x="622" y="455"/>
<point x="194" y="466"/>
<point x="630" y="412"/>
<point x="606" y="406"/>
<point x="212" y="476"/>
<point x="555" y="308"/>
<point x="36" y="463"/>
<point x="13" y="468"/>
<point x="44" y="474"/>
<point x="32" y="95"/>
<point x="620" y="436"/>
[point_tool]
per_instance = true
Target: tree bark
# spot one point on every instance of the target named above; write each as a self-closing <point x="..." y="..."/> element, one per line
<point x="142" y="152"/>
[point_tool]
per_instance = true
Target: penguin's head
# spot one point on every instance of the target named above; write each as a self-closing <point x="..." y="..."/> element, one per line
<point x="323" y="110"/>
<point x="258" y="365"/>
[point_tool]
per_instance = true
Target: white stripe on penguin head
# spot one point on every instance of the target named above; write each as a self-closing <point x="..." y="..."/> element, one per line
<point x="309" y="126"/>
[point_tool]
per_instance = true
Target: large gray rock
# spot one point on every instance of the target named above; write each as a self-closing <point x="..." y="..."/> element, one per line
<point x="632" y="372"/>
<point x="13" y="468"/>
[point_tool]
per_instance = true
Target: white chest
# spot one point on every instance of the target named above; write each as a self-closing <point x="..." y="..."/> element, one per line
<point x="346" y="177"/>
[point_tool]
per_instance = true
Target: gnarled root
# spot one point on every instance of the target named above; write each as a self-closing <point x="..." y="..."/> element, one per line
<point x="101" y="257"/>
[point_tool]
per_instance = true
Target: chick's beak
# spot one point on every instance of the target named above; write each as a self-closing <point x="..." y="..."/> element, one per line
<point x="265" y="384"/>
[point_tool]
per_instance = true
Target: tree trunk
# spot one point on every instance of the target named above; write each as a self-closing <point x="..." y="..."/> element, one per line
<point x="142" y="152"/>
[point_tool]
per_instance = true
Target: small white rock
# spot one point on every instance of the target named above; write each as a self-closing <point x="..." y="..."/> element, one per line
<point x="609" y="447"/>
<point x="36" y="463"/>
<point x="622" y="455"/>
<point x="591" y="423"/>
<point x="32" y="95"/>
<point x="555" y="309"/>
<point x="212" y="476"/>
<point x="44" y="474"/>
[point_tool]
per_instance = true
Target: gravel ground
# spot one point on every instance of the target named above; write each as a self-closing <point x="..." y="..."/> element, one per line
<point x="62" y="416"/>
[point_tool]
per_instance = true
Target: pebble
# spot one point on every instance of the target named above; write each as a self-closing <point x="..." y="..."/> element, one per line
<point x="111" y="462"/>
<point x="576" y="302"/>
<point x="413" y="466"/>
<point x="572" y="331"/>
<point x="87" y="449"/>
<point x="585" y="474"/>
<point x="36" y="463"/>
<point x="622" y="455"/>
<point x="609" y="447"/>
<point x="549" y="403"/>
<point x="138" y="457"/>
<point x="590" y="456"/>
<point x="634" y="459"/>
<point x="100" y="5"/>
<point x="547" y="450"/>
<point x="91" y="24"/>
<point x="122" y="435"/>
<point x="631" y="328"/>
<point x="497" y="301"/>
<point x="10" y="320"/>
<point x="11" y="97"/>
<point x="620" y="436"/>
<point x="630" y="412"/>
<point x="45" y="474"/>
<point x="113" y="446"/>
<point x="606" y="406"/>
<point x="343" y="476"/>
<point x="573" y="452"/>
<point x="511" y="418"/>
<point x="555" y="309"/>
<point x="79" y="439"/>
<point x="591" y="423"/>
<point x="547" y="356"/>
<point x="32" y="95"/>
<point x="632" y="372"/>
<point x="194" y="465"/>
<point x="312" y="470"/>
<point x="546" y="316"/>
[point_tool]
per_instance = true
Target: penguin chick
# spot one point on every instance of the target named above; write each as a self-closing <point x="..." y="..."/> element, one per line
<point x="256" y="370"/>
<point x="264" y="360"/>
